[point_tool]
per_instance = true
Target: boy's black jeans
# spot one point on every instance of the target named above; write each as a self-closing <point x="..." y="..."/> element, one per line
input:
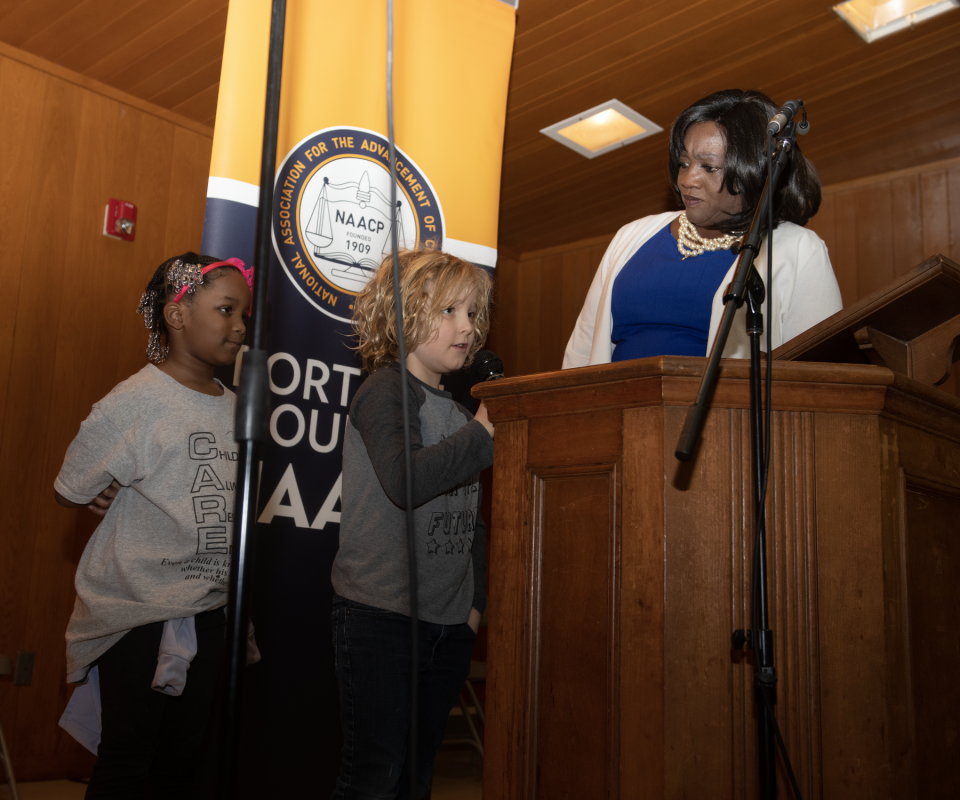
<point x="372" y="651"/>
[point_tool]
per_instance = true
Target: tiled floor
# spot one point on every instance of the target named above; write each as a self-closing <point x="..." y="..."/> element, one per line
<point x="456" y="776"/>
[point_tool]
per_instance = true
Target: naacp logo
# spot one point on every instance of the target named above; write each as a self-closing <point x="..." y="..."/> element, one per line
<point x="332" y="218"/>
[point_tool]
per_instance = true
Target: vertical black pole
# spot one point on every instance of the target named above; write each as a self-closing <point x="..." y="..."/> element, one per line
<point x="748" y="286"/>
<point x="762" y="636"/>
<point x="253" y="405"/>
<point x="405" y="402"/>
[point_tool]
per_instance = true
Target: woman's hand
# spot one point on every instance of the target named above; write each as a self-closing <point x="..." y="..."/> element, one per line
<point x="483" y="419"/>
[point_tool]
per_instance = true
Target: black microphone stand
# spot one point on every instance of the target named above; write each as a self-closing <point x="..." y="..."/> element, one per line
<point x="253" y="411"/>
<point x="748" y="287"/>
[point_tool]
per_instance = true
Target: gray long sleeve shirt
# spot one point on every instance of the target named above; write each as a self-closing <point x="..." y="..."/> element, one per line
<point x="448" y="451"/>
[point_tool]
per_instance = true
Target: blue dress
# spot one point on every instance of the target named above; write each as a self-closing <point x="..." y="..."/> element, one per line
<point x="661" y="304"/>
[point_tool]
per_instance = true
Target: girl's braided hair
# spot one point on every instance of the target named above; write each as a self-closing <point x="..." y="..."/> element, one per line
<point x="168" y="279"/>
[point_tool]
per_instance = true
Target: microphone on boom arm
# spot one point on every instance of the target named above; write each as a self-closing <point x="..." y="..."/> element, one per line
<point x="786" y="113"/>
<point x="488" y="366"/>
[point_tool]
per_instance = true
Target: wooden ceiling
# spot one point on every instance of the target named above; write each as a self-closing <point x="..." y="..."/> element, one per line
<point x="873" y="108"/>
<point x="164" y="51"/>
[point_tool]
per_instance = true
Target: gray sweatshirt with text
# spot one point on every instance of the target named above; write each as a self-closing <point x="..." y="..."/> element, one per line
<point x="448" y="451"/>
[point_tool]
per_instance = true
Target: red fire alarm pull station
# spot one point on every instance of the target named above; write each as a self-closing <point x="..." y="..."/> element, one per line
<point x="120" y="220"/>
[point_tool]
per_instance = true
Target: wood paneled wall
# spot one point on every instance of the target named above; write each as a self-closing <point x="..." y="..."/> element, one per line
<point x="538" y="298"/>
<point x="876" y="229"/>
<point x="68" y="334"/>
<point x="881" y="227"/>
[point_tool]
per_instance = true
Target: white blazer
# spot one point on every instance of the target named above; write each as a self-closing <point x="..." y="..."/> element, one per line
<point x="805" y="292"/>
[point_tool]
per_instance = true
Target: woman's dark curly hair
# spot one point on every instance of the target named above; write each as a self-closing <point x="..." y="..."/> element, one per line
<point x="742" y="118"/>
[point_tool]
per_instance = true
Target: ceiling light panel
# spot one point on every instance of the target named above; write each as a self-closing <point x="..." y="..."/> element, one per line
<point x="873" y="19"/>
<point x="606" y="127"/>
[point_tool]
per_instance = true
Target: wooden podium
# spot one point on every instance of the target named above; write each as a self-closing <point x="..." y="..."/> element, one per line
<point x="617" y="576"/>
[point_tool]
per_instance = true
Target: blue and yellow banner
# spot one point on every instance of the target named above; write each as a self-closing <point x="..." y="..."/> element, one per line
<point x="451" y="71"/>
<point x="331" y="227"/>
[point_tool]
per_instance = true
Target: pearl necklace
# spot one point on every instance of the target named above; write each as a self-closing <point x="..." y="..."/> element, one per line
<point x="692" y="243"/>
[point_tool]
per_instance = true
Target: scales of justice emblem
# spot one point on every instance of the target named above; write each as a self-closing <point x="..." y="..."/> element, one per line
<point x="333" y="220"/>
<point x="350" y="225"/>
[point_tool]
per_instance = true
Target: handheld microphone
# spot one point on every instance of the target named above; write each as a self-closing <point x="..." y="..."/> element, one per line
<point x="488" y="366"/>
<point x="786" y="113"/>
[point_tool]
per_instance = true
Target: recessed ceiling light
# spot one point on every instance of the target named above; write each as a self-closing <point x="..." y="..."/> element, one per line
<point x="602" y="129"/>
<point x="873" y="19"/>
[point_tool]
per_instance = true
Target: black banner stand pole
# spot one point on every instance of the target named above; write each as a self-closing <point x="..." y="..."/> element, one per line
<point x="748" y="287"/>
<point x="253" y="410"/>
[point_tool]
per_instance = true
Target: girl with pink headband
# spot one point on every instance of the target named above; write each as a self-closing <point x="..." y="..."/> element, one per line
<point x="157" y="458"/>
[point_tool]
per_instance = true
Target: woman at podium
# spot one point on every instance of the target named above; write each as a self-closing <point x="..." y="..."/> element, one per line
<point x="659" y="287"/>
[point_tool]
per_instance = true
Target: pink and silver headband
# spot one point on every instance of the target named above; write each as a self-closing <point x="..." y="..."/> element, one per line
<point x="186" y="277"/>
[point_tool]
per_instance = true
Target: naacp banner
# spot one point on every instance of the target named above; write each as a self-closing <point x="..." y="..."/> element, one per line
<point x="331" y="225"/>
